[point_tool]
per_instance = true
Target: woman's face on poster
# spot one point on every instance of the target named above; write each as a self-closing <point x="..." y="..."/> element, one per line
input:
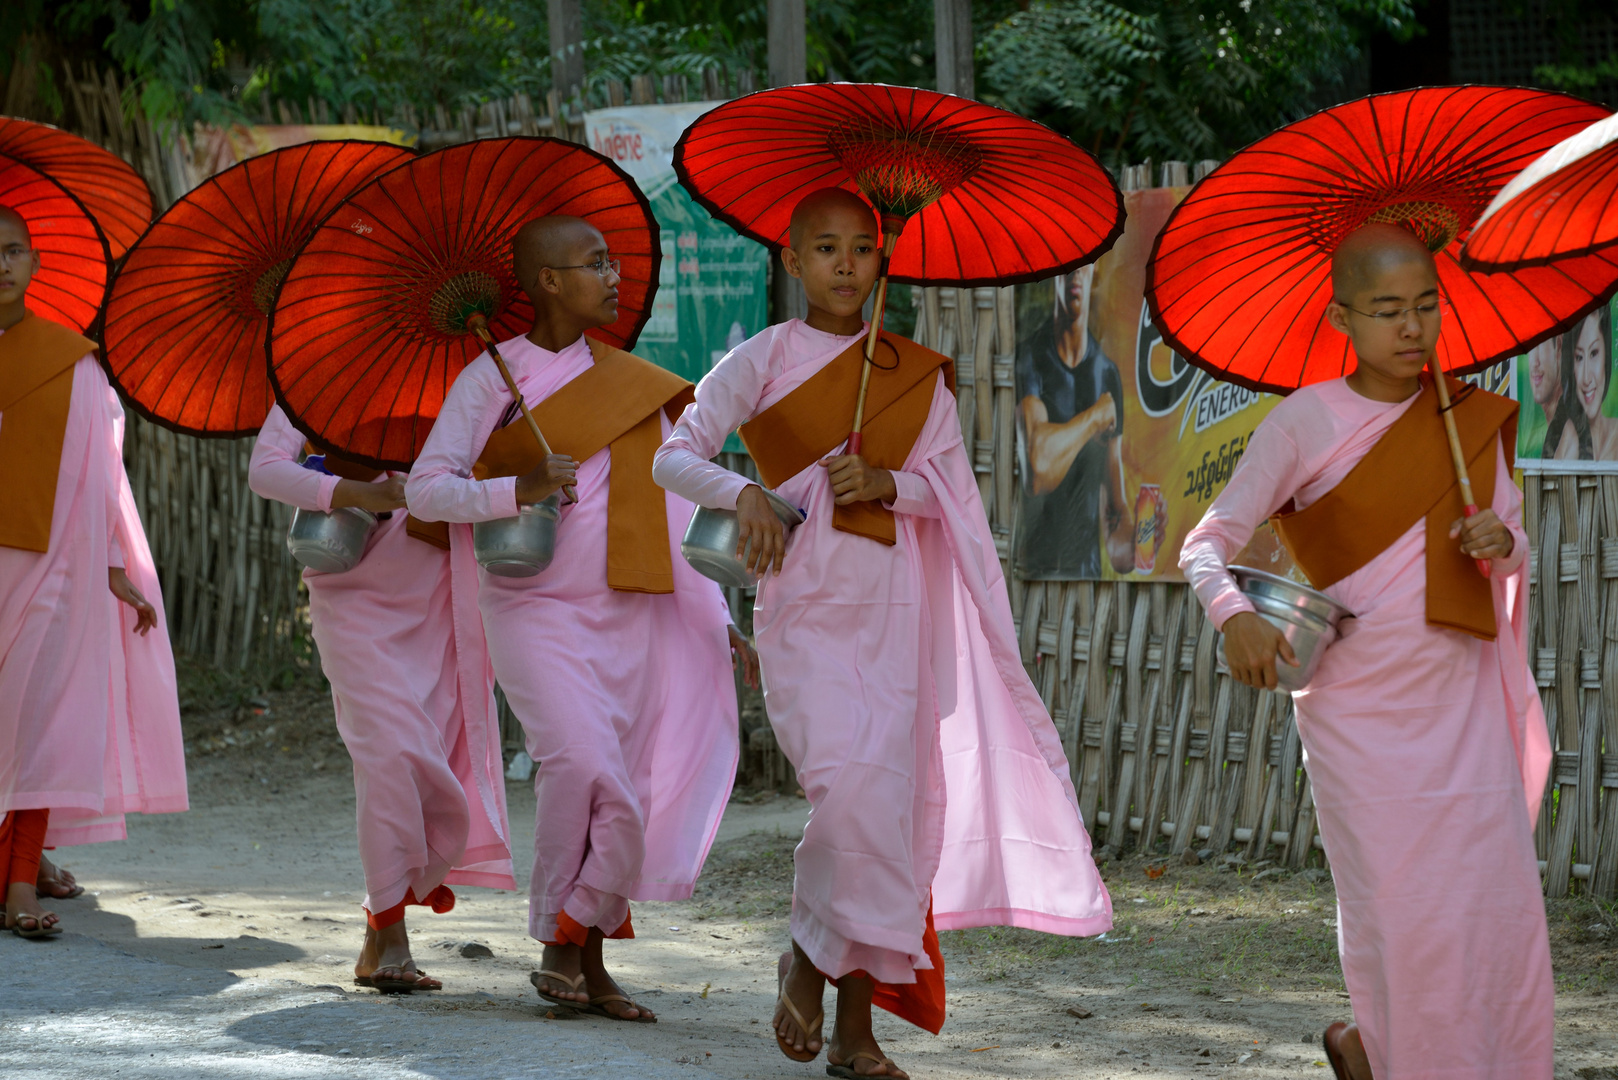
<point x="1545" y="373"/>
<point x="1589" y="366"/>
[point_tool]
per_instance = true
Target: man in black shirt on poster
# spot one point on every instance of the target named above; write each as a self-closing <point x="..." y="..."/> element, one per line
<point x="1071" y="412"/>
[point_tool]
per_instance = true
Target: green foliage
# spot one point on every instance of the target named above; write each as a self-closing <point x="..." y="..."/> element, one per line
<point x="1174" y="79"/>
<point x="1578" y="78"/>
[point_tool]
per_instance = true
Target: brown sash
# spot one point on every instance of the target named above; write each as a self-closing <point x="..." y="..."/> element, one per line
<point x="1405" y="477"/>
<point x="613" y="403"/>
<point x="814" y="419"/>
<point x="36" y="389"/>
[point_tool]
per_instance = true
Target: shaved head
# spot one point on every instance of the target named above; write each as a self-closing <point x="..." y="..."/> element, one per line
<point x="10" y="217"/>
<point x="814" y="208"/>
<point x="558" y="240"/>
<point x="1369" y="252"/>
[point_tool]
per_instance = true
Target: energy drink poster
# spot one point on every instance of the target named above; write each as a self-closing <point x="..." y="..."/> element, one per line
<point x="1121" y="444"/>
<point x="711" y="293"/>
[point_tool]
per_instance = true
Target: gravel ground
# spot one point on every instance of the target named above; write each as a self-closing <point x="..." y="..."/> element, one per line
<point x="220" y="943"/>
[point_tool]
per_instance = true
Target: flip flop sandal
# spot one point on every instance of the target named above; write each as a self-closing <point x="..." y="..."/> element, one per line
<point x="1339" y="1066"/>
<point x="39" y="931"/>
<point x="810" y="1031"/>
<point x="557" y="977"/>
<point x="387" y="984"/>
<point x="596" y="1003"/>
<point x="73" y="893"/>
<point x="845" y="1071"/>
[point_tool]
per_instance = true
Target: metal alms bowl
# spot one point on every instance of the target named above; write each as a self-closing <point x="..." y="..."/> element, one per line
<point x="330" y="543"/>
<point x="1307" y="617"/>
<point x="710" y="542"/>
<point x="519" y="546"/>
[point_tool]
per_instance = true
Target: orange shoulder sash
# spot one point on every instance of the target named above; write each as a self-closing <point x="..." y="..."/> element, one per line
<point x="36" y="389"/>
<point x="613" y="403"/>
<point x="1408" y="476"/>
<point x="814" y="420"/>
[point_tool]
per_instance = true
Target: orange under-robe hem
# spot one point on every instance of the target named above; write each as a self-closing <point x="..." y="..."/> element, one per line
<point x="920" y="1002"/>
<point x="570" y="932"/>
<point x="441" y="900"/>
<point x="22" y="844"/>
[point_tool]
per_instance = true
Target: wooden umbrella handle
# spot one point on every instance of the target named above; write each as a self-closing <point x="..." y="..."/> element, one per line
<point x="480" y="326"/>
<point x="1455" y="452"/>
<point x="890" y="237"/>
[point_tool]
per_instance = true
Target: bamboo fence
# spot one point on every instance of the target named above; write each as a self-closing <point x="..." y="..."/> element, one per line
<point x="1166" y="750"/>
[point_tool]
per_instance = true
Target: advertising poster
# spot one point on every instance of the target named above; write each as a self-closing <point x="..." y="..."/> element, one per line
<point x="1121" y="444"/>
<point x="1569" y="417"/>
<point x="712" y="293"/>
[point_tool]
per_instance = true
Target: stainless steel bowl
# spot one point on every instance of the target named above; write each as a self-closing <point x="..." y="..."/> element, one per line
<point x="1307" y="617"/>
<point x="330" y="543"/>
<point x="710" y="542"/>
<point x="519" y="546"/>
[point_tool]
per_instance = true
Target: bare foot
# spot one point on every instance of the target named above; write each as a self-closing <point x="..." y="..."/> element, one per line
<point x="853" y="1045"/>
<point x="805" y="987"/>
<point x="23" y="909"/>
<point x="56" y="883"/>
<point x="599" y="984"/>
<point x="385" y="957"/>
<point x="567" y="961"/>
<point x="1345" y="1040"/>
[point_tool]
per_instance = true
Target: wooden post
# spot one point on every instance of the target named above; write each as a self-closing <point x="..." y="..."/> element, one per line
<point x="789" y="66"/>
<point x="567" y="45"/>
<point x="952" y="40"/>
<point x="788" y="50"/>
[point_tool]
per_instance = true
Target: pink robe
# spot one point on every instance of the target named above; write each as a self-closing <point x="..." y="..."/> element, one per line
<point x="627" y="698"/>
<point x="1427" y="752"/>
<point x="402" y="645"/>
<point x="89" y="715"/>
<point x="893" y="682"/>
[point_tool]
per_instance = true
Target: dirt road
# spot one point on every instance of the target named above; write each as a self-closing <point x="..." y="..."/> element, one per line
<point x="220" y="943"/>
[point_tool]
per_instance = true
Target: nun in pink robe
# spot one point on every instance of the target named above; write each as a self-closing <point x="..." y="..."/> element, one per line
<point x="401" y="643"/>
<point x="1427" y="754"/>
<point x="89" y="714"/>
<point x="894" y="684"/>
<point x="627" y="698"/>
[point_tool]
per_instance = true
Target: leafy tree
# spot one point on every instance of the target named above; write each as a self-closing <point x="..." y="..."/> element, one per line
<point x="1174" y="79"/>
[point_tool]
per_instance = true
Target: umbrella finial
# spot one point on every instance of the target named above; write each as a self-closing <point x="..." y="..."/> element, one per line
<point x="261" y="286"/>
<point x="465" y="302"/>
<point x="1434" y="223"/>
<point x="902" y="171"/>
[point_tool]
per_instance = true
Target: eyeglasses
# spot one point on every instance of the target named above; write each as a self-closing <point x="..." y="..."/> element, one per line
<point x="1390" y="316"/>
<point x="10" y="255"/>
<point x="602" y="267"/>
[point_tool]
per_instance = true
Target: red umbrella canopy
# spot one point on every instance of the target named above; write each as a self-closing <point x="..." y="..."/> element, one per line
<point x="110" y="189"/>
<point x="1565" y="203"/>
<point x="1241" y="274"/>
<point x="992" y="198"/>
<point x="369" y="330"/>
<point x="189" y="310"/>
<point x="73" y="260"/>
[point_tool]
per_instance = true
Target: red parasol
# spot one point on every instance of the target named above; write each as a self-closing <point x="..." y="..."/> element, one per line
<point x="1564" y="204"/>
<point x="378" y="314"/>
<point x="73" y="260"/>
<point x="114" y="193"/>
<point x="995" y="199"/>
<point x="189" y="310"/>
<point x="981" y="195"/>
<point x="1240" y="276"/>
